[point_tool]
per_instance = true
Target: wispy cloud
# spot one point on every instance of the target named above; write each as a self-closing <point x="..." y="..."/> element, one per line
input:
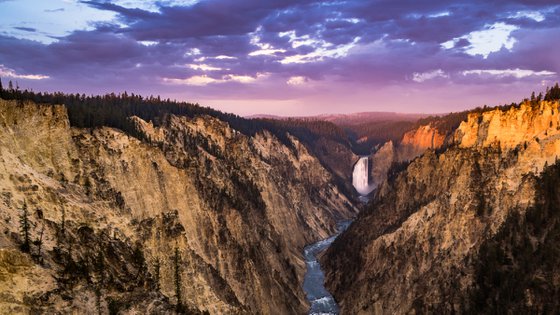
<point x="517" y="73"/>
<point x="203" y="80"/>
<point x="430" y="75"/>
<point x="11" y="73"/>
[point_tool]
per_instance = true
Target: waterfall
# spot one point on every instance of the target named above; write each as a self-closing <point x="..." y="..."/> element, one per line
<point x="360" y="176"/>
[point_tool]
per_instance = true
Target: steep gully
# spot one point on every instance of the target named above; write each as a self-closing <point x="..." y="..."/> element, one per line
<point x="320" y="299"/>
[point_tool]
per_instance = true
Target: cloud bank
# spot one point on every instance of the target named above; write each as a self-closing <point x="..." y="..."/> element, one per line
<point x="292" y="57"/>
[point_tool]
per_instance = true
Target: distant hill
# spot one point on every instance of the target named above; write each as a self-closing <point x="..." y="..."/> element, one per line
<point x="368" y="117"/>
<point x="349" y="119"/>
<point x="364" y="130"/>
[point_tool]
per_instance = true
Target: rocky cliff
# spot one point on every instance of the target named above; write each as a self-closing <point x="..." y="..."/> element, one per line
<point x="437" y="237"/>
<point x="195" y="214"/>
<point x="412" y="144"/>
<point x="417" y="141"/>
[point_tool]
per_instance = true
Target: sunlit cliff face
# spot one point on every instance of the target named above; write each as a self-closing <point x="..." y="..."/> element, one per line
<point x="431" y="221"/>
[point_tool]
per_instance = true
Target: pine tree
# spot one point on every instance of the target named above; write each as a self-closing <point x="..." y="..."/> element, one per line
<point x="60" y="233"/>
<point x="157" y="267"/>
<point x="1" y="89"/>
<point x="178" y="282"/>
<point x="39" y="243"/>
<point x="87" y="185"/>
<point x="63" y="223"/>
<point x="97" y="291"/>
<point x="24" y="228"/>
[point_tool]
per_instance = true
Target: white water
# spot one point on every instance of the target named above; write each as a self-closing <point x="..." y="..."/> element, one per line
<point x="322" y="302"/>
<point x="360" y="176"/>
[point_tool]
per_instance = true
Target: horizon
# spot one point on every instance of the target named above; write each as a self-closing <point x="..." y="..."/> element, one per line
<point x="258" y="115"/>
<point x="272" y="116"/>
<point x="336" y="114"/>
<point x="286" y="58"/>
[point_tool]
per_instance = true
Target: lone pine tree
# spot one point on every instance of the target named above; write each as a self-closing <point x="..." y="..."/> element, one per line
<point x="178" y="282"/>
<point x="24" y="228"/>
<point x="39" y="244"/>
<point x="157" y="267"/>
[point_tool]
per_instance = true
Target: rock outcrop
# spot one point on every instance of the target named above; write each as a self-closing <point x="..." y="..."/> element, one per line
<point x="419" y="245"/>
<point x="417" y="141"/>
<point x="381" y="162"/>
<point x="412" y="144"/>
<point x="123" y="225"/>
<point x="508" y="129"/>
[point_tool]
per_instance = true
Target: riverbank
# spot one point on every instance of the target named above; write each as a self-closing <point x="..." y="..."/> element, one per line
<point x="321" y="301"/>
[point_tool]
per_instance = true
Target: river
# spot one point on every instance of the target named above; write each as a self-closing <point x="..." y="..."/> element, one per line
<point x="322" y="302"/>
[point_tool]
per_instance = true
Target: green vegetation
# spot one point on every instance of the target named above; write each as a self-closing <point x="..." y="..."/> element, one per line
<point x="157" y="275"/>
<point x="177" y="279"/>
<point x="395" y="169"/>
<point x="517" y="269"/>
<point x="25" y="227"/>
<point x="113" y="110"/>
<point x="38" y="242"/>
<point x="552" y="94"/>
<point x="307" y="130"/>
<point x="376" y="133"/>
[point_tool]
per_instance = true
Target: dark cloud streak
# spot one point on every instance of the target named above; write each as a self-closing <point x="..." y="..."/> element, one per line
<point x="54" y="10"/>
<point x="25" y="29"/>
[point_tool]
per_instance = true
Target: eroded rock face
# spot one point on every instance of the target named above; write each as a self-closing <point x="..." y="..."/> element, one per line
<point x="413" y="144"/>
<point x="510" y="128"/>
<point x="381" y="162"/>
<point x="416" y="248"/>
<point x="112" y="208"/>
<point x="417" y="141"/>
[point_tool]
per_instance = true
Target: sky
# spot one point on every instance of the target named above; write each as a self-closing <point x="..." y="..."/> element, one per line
<point x="286" y="57"/>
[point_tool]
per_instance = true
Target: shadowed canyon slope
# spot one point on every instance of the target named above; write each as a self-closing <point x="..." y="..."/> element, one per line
<point x="455" y="230"/>
<point x="115" y="221"/>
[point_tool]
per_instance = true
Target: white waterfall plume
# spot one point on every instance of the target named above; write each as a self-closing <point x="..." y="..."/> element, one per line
<point x="360" y="176"/>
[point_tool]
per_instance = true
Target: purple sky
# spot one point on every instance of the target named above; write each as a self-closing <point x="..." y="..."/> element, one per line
<point x="287" y="57"/>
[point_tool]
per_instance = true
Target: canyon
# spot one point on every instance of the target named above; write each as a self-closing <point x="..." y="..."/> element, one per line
<point x="116" y="221"/>
<point x="199" y="212"/>
<point x="370" y="171"/>
<point x="219" y="157"/>
<point x="438" y="233"/>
